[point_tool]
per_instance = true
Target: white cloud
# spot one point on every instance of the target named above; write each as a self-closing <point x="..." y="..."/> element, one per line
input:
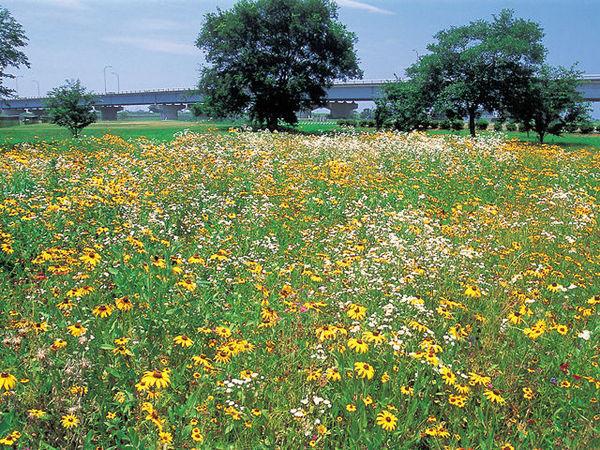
<point x="71" y="4"/>
<point x="364" y="6"/>
<point x="155" y="24"/>
<point x="155" y="45"/>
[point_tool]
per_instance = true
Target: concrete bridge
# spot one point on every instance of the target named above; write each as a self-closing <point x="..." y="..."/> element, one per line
<point x="341" y="99"/>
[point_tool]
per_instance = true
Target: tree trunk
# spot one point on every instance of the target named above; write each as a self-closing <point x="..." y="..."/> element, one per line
<point x="272" y="123"/>
<point x="472" y="122"/>
<point x="541" y="136"/>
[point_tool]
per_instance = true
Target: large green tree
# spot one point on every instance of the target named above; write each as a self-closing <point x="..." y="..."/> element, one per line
<point x="549" y="102"/>
<point x="272" y="58"/>
<point x="71" y="106"/>
<point x="403" y="105"/>
<point x="12" y="39"/>
<point x="470" y="68"/>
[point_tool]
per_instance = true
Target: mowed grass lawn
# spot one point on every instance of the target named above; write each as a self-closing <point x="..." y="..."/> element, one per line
<point x="164" y="131"/>
<point x="256" y="290"/>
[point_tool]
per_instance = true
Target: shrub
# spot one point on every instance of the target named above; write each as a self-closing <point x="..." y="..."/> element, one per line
<point x="482" y="124"/>
<point x="368" y="123"/>
<point x="457" y="125"/>
<point x="445" y="124"/>
<point x="511" y="126"/>
<point x="571" y="127"/>
<point x="586" y="127"/>
<point x="346" y="122"/>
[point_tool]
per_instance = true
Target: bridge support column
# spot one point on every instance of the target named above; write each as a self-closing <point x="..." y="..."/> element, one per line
<point x="108" y="112"/>
<point x="341" y="110"/>
<point x="169" y="112"/>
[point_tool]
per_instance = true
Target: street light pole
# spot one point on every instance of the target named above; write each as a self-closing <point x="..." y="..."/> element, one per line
<point x="38" y="87"/>
<point x="118" y="82"/>
<point x="17" y="83"/>
<point x="106" y="67"/>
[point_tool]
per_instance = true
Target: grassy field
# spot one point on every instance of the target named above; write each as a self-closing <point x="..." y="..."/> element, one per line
<point x="165" y="130"/>
<point x="257" y="290"/>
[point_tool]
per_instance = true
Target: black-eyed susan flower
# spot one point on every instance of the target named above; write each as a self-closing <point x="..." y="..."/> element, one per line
<point x="156" y="378"/>
<point x="102" y="311"/>
<point x="387" y="420"/>
<point x="77" y="329"/>
<point x="69" y="421"/>
<point x="494" y="396"/>
<point x="364" y="370"/>
<point x="7" y="381"/>
<point x="183" y="341"/>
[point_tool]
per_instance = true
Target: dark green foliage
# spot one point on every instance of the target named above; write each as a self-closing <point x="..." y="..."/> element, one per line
<point x="550" y="102"/>
<point x="445" y="124"/>
<point x="272" y="58"/>
<point x="586" y="127"/>
<point x="483" y="124"/>
<point x="71" y="106"/>
<point x="12" y="38"/>
<point x="472" y="68"/>
<point x="403" y="107"/>
<point x="511" y="126"/>
<point x="457" y="124"/>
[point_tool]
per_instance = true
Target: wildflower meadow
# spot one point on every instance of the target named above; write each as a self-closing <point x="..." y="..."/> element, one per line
<point x="269" y="290"/>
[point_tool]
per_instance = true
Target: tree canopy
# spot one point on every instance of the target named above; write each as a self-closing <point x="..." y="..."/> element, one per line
<point x="71" y="106"/>
<point x="403" y="106"/>
<point x="12" y="39"/>
<point x="471" y="68"/>
<point x="549" y="101"/>
<point x="273" y="58"/>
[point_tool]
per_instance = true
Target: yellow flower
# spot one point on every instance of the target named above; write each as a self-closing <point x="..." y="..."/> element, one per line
<point x="358" y="345"/>
<point x="223" y="332"/>
<point x="350" y="407"/>
<point x="333" y="374"/>
<point x="124" y="304"/>
<point x="36" y="413"/>
<point x="183" y="341"/>
<point x="188" y="284"/>
<point x="385" y="377"/>
<point x="476" y="379"/>
<point x="494" y="396"/>
<point x="562" y="329"/>
<point x="69" y="421"/>
<point x="386" y="420"/>
<point x="7" y="381"/>
<point x="356" y="312"/>
<point x="473" y="291"/>
<point x="197" y="435"/>
<point x="374" y="337"/>
<point x="407" y="390"/>
<point x="156" y="378"/>
<point x="77" y="329"/>
<point x="165" y="437"/>
<point x="506" y="446"/>
<point x="364" y="370"/>
<point x="102" y="311"/>
<point x="457" y="400"/>
<point x="555" y="287"/>
<point x="448" y="376"/>
<point x="528" y="393"/>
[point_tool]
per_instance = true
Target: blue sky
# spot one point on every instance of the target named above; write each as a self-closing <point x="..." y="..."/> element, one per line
<point x="150" y="42"/>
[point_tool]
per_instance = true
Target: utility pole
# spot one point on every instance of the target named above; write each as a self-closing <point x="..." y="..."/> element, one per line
<point x="106" y="67"/>
<point x="118" y="82"/>
<point x="17" y="83"/>
<point x="38" y="87"/>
